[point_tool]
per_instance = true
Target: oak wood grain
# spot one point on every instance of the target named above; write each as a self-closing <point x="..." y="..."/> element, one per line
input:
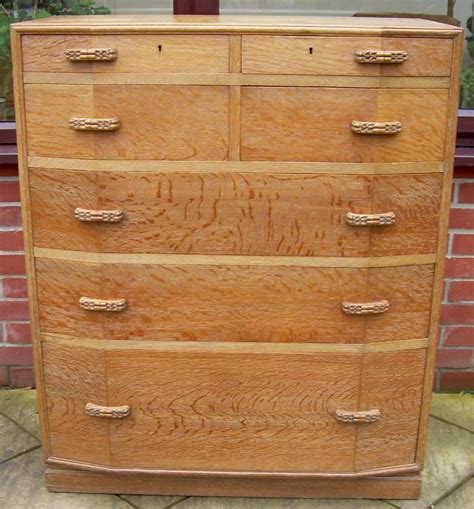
<point x="295" y="124"/>
<point x="233" y="213"/>
<point x="136" y="53"/>
<point x="234" y="303"/>
<point x="336" y="55"/>
<point x="188" y="122"/>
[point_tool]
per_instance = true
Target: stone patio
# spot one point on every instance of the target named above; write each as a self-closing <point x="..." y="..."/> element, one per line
<point x="448" y="476"/>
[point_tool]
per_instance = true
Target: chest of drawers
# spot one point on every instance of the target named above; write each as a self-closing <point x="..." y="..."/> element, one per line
<point x="235" y="233"/>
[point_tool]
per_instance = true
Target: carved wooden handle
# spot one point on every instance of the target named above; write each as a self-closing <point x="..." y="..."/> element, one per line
<point x="98" y="216"/>
<point x="94" y="124"/>
<point x="359" y="127"/>
<point x="365" y="416"/>
<point x="95" y="54"/>
<point x="370" y="219"/>
<point x="112" y="305"/>
<point x="366" y="308"/>
<point x="369" y="56"/>
<point x="112" y="412"/>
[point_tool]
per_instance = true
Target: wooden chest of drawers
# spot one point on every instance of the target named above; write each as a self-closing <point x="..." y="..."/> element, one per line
<point x="235" y="235"/>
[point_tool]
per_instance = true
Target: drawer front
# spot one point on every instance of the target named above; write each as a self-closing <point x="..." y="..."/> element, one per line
<point x="141" y="121"/>
<point x="131" y="53"/>
<point x="202" y="302"/>
<point x="230" y="411"/>
<point x="234" y="213"/>
<point x="346" y="56"/>
<point x="315" y="124"/>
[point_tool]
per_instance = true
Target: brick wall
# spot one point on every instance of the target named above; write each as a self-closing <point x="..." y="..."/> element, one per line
<point x="15" y="336"/>
<point x="455" y="354"/>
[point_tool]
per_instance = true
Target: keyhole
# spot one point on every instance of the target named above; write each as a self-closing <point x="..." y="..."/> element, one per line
<point x="159" y="48"/>
<point x="310" y="51"/>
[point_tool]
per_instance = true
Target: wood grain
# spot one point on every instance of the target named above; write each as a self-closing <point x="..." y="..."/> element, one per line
<point x="61" y="479"/>
<point x="336" y="55"/>
<point x="233" y="213"/>
<point x="190" y="122"/>
<point x="233" y="303"/>
<point x="136" y="53"/>
<point x="391" y="382"/>
<point x="294" y="124"/>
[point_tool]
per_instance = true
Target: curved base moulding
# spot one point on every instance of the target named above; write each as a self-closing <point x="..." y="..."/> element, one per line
<point x="77" y="481"/>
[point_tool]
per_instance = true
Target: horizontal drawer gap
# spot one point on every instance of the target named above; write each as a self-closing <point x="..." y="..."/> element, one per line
<point x="182" y="259"/>
<point x="282" y="80"/>
<point x="234" y="347"/>
<point x="236" y="166"/>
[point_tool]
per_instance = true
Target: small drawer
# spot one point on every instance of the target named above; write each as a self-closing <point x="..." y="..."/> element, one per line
<point x="196" y="301"/>
<point x="128" y="121"/>
<point x="159" y="407"/>
<point x="129" y="53"/>
<point x="346" y="56"/>
<point x="343" y="124"/>
<point x="230" y="213"/>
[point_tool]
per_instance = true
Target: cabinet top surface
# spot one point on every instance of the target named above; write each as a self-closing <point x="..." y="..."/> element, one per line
<point x="305" y="24"/>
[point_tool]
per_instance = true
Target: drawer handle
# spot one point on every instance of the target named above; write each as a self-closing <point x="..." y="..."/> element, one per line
<point x="94" y="124"/>
<point x="112" y="305"/>
<point x="112" y="412"/>
<point x="93" y="54"/>
<point x="98" y="216"/>
<point x="375" y="127"/>
<point x="366" y="308"/>
<point x="384" y="219"/>
<point x="369" y="56"/>
<point x="358" y="417"/>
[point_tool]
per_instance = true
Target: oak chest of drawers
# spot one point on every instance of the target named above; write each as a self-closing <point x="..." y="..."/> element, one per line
<point x="235" y="234"/>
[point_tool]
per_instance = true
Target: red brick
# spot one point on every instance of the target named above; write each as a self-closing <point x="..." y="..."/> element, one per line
<point x="461" y="218"/>
<point x="9" y="191"/>
<point x="22" y="377"/>
<point x="466" y="192"/>
<point x="10" y="215"/>
<point x="459" y="268"/>
<point x="14" y="288"/>
<point x="463" y="244"/>
<point x="457" y="336"/>
<point x="14" y="310"/>
<point x="18" y="332"/>
<point x="453" y="358"/>
<point x="12" y="265"/>
<point x="456" y="380"/>
<point x="16" y="355"/>
<point x="457" y="314"/>
<point x="4" y="377"/>
<point x="461" y="291"/>
<point x="11" y="241"/>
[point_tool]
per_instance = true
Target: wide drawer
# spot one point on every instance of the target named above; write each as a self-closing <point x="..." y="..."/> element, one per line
<point x="343" y="125"/>
<point x="346" y="56"/>
<point x="235" y="213"/>
<point x="128" y="122"/>
<point x="231" y="409"/>
<point x="209" y="299"/>
<point x="131" y="53"/>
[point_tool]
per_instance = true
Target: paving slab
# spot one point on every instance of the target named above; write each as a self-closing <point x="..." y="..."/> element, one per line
<point x="22" y="487"/>
<point x="462" y="498"/>
<point x="151" y="502"/>
<point x="278" y="503"/>
<point x="20" y="405"/>
<point x="454" y="408"/>
<point x="449" y="460"/>
<point x="13" y="440"/>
